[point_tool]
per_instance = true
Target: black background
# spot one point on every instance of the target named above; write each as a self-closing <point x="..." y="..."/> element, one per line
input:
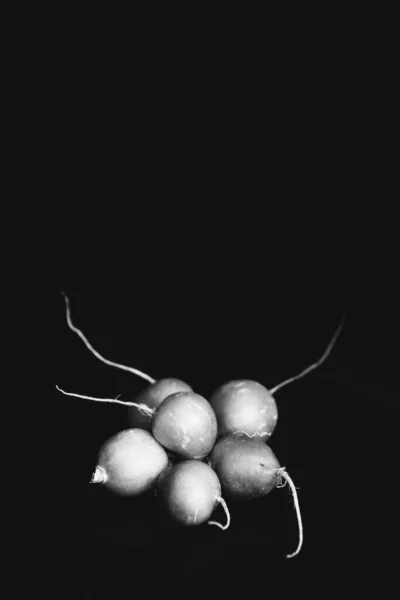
<point x="212" y="216"/>
<point x="179" y="281"/>
<point x="218" y="252"/>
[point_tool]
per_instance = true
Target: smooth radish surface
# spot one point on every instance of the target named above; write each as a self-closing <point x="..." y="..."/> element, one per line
<point x="247" y="468"/>
<point x="152" y="397"/>
<point x="186" y="424"/>
<point x="130" y="462"/>
<point x="190" y="491"/>
<point x="244" y="406"/>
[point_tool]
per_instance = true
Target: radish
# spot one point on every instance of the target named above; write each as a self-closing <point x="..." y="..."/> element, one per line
<point x="186" y="424"/>
<point x="130" y="462"/>
<point x="244" y="406"/>
<point x="191" y="491"/>
<point x="247" y="468"/>
<point x="152" y="397"/>
<point x="247" y="407"/>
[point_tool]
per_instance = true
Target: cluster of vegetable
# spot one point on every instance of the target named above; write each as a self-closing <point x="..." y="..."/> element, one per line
<point x="191" y="450"/>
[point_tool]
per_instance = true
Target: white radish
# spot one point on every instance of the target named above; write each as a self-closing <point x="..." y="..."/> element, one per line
<point x="191" y="491"/>
<point x="130" y="462"/>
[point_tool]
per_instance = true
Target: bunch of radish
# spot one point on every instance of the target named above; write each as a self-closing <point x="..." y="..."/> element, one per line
<point x="193" y="451"/>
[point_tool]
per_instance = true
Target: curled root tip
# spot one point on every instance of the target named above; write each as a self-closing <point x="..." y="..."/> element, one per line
<point x="293" y="553"/>
<point x="281" y="481"/>
<point x="228" y="516"/>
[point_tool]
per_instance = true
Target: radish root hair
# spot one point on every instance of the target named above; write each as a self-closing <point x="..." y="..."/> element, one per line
<point x="144" y="409"/>
<point x="228" y="516"/>
<point x="93" y="351"/>
<point x="314" y="365"/>
<point x="259" y="433"/>
<point x="283" y="473"/>
<point x="279" y="476"/>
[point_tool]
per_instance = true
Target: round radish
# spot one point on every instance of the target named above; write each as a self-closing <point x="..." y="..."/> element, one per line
<point x="130" y="462"/>
<point x="190" y="491"/>
<point x="185" y="423"/>
<point x="247" y="468"/>
<point x="245" y="406"/>
<point x="152" y="397"/>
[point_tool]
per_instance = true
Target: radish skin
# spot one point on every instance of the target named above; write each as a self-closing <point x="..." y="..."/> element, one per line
<point x="130" y="462"/>
<point x="186" y="424"/>
<point x="153" y="396"/>
<point x="190" y="492"/>
<point x="247" y="468"/>
<point x="245" y="406"/>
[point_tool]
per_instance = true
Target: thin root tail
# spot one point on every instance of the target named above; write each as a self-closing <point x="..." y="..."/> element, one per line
<point x="144" y="409"/>
<point x="297" y="507"/>
<point x="97" y="354"/>
<point x="228" y="516"/>
<point x="314" y="365"/>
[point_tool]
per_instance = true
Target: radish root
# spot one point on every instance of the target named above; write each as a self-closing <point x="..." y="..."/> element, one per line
<point x="99" y="476"/>
<point x="314" y="365"/>
<point x="144" y="409"/>
<point x="93" y="351"/>
<point x="279" y="475"/>
<point x="228" y="516"/>
<point x="283" y="473"/>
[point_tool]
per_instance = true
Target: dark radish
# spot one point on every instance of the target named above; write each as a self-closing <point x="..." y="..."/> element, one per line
<point x="244" y="406"/>
<point x="190" y="492"/>
<point x="130" y="462"/>
<point x="185" y="423"/>
<point x="152" y="397"/>
<point x="247" y="468"/>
